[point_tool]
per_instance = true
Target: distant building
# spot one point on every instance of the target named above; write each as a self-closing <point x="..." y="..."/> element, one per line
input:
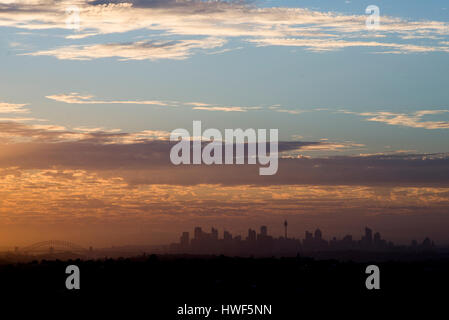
<point x="368" y="235"/>
<point x="367" y="240"/>
<point x="308" y="236"/>
<point x="227" y="236"/>
<point x="214" y="234"/>
<point x="185" y="239"/>
<point x="318" y="235"/>
<point x="285" y="228"/>
<point x="251" y="235"/>
<point x="198" y="233"/>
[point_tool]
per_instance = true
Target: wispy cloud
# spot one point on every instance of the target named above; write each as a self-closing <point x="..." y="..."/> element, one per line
<point x="141" y="50"/>
<point x="412" y="120"/>
<point x="276" y="26"/>
<point x="76" y="98"/>
<point x="211" y="107"/>
<point x="324" y="146"/>
<point x="226" y="109"/>
<point x="279" y="108"/>
<point x="13" y="108"/>
<point x="319" y="45"/>
<point x="21" y="119"/>
<point x="17" y="132"/>
<point x="334" y="146"/>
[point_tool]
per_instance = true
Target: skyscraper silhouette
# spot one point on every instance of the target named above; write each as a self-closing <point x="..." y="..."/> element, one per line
<point x="285" y="226"/>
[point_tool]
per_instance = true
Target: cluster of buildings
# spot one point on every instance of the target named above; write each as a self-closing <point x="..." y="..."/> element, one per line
<point x="264" y="244"/>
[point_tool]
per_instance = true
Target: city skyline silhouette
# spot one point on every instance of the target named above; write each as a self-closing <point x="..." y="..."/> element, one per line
<point x="264" y="244"/>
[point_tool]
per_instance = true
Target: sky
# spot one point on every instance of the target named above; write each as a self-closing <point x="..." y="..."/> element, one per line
<point x="90" y="90"/>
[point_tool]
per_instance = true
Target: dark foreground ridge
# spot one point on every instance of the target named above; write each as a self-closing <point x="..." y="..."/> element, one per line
<point x="166" y="282"/>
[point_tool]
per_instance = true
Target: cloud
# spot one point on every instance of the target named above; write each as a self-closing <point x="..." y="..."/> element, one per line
<point x="109" y="180"/>
<point x="141" y="50"/>
<point x="275" y="26"/>
<point x="76" y="98"/>
<point x="225" y="109"/>
<point x="15" y="132"/>
<point x="289" y="111"/>
<point x="333" y="146"/>
<point x="412" y="120"/>
<point x="22" y="119"/>
<point x="80" y="36"/>
<point x="320" y="45"/>
<point x="215" y="107"/>
<point x="144" y="158"/>
<point x="103" y="207"/>
<point x="12" y="108"/>
<point x="278" y="108"/>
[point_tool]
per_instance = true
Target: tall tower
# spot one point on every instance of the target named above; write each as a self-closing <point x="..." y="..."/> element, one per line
<point x="285" y="227"/>
<point x="263" y="231"/>
<point x="368" y="236"/>
<point x="198" y="233"/>
<point x="318" y="234"/>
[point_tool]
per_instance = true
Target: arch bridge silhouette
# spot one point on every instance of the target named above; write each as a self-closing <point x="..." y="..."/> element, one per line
<point x="54" y="246"/>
